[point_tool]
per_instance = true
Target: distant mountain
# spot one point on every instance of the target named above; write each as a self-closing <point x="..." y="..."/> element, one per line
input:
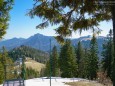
<point x="85" y="40"/>
<point x="37" y="41"/>
<point x="12" y="43"/>
<point x="41" y="42"/>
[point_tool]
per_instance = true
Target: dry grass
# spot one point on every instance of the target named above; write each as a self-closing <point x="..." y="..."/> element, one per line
<point x="102" y="78"/>
<point x="85" y="83"/>
<point x="34" y="65"/>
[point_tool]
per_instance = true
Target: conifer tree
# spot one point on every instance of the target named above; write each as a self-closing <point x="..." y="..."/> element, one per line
<point x="54" y="63"/>
<point x="67" y="60"/>
<point x="54" y="68"/>
<point x="47" y="69"/>
<point x="73" y="15"/>
<point x="5" y="60"/>
<point x="93" y="59"/>
<point x="108" y="54"/>
<point x="80" y="59"/>
<point x="86" y="63"/>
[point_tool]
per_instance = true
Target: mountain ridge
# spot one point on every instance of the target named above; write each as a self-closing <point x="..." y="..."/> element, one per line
<point x="42" y="42"/>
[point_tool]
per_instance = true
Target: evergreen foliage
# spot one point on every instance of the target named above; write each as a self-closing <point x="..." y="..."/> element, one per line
<point x="54" y="62"/>
<point x="86" y="61"/>
<point x="5" y="60"/>
<point x="52" y="66"/>
<point x="23" y="70"/>
<point x="44" y="72"/>
<point x="47" y="69"/>
<point x="93" y="59"/>
<point x="26" y="51"/>
<point x="67" y="60"/>
<point x="73" y="15"/>
<point x="30" y="73"/>
<point x="1" y="72"/>
<point x="80" y="59"/>
<point x="108" y="54"/>
<point x="5" y="7"/>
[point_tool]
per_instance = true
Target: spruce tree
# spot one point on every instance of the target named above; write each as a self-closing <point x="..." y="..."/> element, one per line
<point x="80" y="59"/>
<point x="93" y="59"/>
<point x="6" y="62"/>
<point x="54" y="68"/>
<point x="47" y="69"/>
<point x="67" y="60"/>
<point x="54" y="63"/>
<point x="86" y="63"/>
<point x="108" y="55"/>
<point x="73" y="15"/>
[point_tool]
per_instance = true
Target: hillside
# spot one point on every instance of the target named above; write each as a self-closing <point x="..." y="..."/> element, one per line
<point x="26" y="51"/>
<point x="34" y="65"/>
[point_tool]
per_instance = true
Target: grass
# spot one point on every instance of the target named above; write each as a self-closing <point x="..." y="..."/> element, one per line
<point x="34" y="65"/>
<point x="84" y="83"/>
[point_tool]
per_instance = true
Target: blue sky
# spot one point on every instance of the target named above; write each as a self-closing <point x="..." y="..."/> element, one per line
<point x="21" y="25"/>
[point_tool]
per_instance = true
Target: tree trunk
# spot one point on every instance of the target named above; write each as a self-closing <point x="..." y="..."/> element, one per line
<point x="113" y="19"/>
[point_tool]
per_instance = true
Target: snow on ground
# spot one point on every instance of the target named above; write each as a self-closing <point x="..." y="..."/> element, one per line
<point x="55" y="81"/>
<point x="46" y="82"/>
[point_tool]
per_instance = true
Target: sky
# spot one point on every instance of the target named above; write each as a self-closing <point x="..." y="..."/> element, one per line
<point x="22" y="26"/>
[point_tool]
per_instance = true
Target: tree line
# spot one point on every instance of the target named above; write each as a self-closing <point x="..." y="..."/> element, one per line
<point x="80" y="15"/>
<point x="5" y="60"/>
<point x="26" y="51"/>
<point x="77" y="61"/>
<point x="80" y="61"/>
<point x="9" y="71"/>
<point x="74" y="62"/>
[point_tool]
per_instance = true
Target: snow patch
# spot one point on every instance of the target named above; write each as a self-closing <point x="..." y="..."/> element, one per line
<point x="55" y="81"/>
